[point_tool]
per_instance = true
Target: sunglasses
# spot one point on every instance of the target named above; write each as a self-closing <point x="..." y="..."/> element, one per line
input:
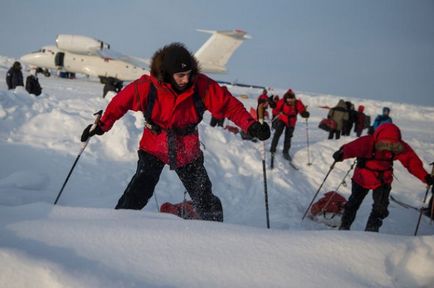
<point x="388" y="145"/>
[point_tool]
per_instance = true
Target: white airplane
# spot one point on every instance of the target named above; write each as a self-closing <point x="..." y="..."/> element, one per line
<point x="86" y="55"/>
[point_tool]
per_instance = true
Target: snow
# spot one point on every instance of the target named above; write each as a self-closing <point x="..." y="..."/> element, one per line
<point x="83" y="242"/>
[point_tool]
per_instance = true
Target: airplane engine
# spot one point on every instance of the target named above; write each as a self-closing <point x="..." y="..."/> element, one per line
<point x="80" y="44"/>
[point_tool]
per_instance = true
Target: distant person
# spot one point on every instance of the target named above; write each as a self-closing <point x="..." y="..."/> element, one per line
<point x="287" y="110"/>
<point x="32" y="83"/>
<point x="375" y="156"/>
<point x="112" y="84"/>
<point x="352" y="115"/>
<point x="14" y="76"/>
<point x="274" y="112"/>
<point x="173" y="99"/>
<point x="266" y="101"/>
<point x="381" y="119"/>
<point x="360" y="123"/>
<point x="339" y="114"/>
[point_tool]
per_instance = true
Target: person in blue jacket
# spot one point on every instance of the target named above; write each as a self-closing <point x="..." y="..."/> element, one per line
<point x="380" y="119"/>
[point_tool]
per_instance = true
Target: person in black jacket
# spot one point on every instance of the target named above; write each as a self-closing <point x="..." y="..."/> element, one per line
<point x="32" y="84"/>
<point x="14" y="77"/>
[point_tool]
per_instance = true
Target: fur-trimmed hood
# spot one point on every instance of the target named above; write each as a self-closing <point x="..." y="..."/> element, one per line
<point x="158" y="69"/>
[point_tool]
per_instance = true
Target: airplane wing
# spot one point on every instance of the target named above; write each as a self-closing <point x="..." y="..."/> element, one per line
<point x="136" y="61"/>
<point x="216" y="51"/>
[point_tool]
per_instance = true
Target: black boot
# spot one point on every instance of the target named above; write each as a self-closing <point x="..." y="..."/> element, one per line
<point x="373" y="224"/>
<point x="212" y="210"/>
<point x="287" y="156"/>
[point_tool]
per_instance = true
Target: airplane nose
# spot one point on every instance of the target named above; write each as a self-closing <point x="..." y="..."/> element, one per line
<point x="26" y="59"/>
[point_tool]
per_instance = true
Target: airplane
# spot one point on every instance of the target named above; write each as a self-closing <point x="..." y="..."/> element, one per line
<point x="93" y="57"/>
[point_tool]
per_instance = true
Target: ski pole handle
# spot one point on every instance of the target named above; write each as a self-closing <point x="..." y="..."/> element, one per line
<point x="92" y="128"/>
<point x="97" y="118"/>
<point x="261" y="113"/>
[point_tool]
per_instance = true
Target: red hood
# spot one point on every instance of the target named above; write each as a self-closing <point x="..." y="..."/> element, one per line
<point x="387" y="131"/>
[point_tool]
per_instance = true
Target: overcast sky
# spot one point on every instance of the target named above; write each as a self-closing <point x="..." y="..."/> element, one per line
<point x="377" y="49"/>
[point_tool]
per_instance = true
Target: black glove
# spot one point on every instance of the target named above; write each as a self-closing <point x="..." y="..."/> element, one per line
<point x="260" y="131"/>
<point x="429" y="180"/>
<point x="371" y="130"/>
<point x="338" y="156"/>
<point x="305" y="114"/>
<point x="87" y="133"/>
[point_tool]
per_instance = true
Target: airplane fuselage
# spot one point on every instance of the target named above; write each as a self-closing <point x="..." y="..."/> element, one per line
<point x="53" y="58"/>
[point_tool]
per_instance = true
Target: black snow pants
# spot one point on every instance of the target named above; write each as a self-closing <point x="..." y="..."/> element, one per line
<point x="193" y="176"/>
<point x="335" y="133"/>
<point x="379" y="210"/>
<point x="289" y="131"/>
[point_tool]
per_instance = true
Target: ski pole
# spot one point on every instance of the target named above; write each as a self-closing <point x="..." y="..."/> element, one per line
<point x="83" y="146"/>
<point x="316" y="194"/>
<point x="156" y="201"/>
<point x="337" y="188"/>
<point x="424" y="199"/>
<point x="261" y="112"/>
<point x="307" y="140"/>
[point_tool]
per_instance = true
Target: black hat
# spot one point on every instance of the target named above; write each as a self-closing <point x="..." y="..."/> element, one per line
<point x="289" y="94"/>
<point x="177" y="59"/>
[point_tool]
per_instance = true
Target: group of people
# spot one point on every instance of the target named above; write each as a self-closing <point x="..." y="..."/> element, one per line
<point x="345" y="117"/>
<point x="173" y="99"/>
<point x="14" y="78"/>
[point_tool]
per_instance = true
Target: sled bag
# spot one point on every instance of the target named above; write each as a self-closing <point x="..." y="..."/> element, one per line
<point x="327" y="125"/>
<point x="232" y="129"/>
<point x="184" y="210"/>
<point x="331" y="202"/>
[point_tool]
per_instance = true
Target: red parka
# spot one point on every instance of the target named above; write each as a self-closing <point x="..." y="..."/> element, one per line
<point x="172" y="110"/>
<point x="288" y="113"/>
<point x="376" y="167"/>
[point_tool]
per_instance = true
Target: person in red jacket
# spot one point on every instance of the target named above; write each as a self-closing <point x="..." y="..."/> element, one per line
<point x="266" y="101"/>
<point x="173" y="98"/>
<point x="287" y="110"/>
<point x="374" y="171"/>
<point x="360" y="121"/>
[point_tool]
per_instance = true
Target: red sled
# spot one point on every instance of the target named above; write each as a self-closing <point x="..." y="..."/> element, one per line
<point x="329" y="209"/>
<point x="185" y="210"/>
<point x="331" y="202"/>
<point x="327" y="125"/>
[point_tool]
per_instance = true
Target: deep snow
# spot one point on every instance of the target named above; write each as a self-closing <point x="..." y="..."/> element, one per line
<point x="84" y="242"/>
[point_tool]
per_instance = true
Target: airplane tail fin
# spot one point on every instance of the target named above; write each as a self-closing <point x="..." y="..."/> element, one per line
<point x="216" y="51"/>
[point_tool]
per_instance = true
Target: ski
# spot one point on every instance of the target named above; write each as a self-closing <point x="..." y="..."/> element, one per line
<point x="328" y="219"/>
<point x="292" y="165"/>
<point x="272" y="161"/>
<point x="403" y="204"/>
